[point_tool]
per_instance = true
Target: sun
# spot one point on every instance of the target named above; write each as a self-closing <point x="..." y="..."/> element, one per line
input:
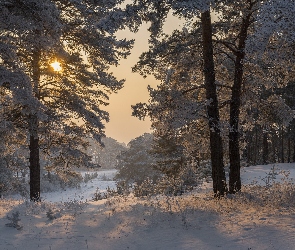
<point x="56" y="66"/>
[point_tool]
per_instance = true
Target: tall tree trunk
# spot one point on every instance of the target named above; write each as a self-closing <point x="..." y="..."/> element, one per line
<point x="256" y="147"/>
<point x="293" y="150"/>
<point x="289" y="145"/>
<point x="289" y="150"/>
<point x="276" y="145"/>
<point x="265" y="149"/>
<point x="216" y="148"/>
<point x="34" y="159"/>
<point x="249" y="147"/>
<point x="282" y="145"/>
<point x="33" y="134"/>
<point x="234" y="136"/>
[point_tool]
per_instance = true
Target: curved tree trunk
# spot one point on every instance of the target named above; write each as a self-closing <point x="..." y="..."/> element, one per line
<point x="216" y="148"/>
<point x="234" y="136"/>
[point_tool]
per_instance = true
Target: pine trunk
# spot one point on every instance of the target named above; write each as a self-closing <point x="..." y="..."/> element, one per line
<point x="275" y="141"/>
<point x="289" y="145"/>
<point x="282" y="145"/>
<point x="216" y="148"/>
<point x="234" y="136"/>
<point x="33" y="134"/>
<point x="34" y="159"/>
<point x="256" y="147"/>
<point x="265" y="149"/>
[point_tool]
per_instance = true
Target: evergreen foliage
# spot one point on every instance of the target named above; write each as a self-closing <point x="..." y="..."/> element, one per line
<point x="224" y="90"/>
<point x="136" y="164"/>
<point x="59" y="108"/>
<point x="248" y="41"/>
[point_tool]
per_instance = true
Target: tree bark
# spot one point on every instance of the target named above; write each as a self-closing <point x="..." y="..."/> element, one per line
<point x="282" y="145"/>
<point x="265" y="149"/>
<point x="256" y="147"/>
<point x="289" y="145"/>
<point x="34" y="159"/>
<point x="275" y="142"/>
<point x="216" y="148"/>
<point x="234" y="136"/>
<point x="33" y="122"/>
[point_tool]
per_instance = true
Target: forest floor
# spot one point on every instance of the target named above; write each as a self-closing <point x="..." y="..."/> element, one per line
<point x="261" y="217"/>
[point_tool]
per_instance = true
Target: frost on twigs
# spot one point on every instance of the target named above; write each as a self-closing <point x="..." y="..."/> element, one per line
<point x="98" y="195"/>
<point x="75" y="206"/>
<point x="51" y="214"/>
<point x="14" y="221"/>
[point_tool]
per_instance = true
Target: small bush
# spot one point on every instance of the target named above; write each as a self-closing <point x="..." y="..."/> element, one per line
<point x="90" y="176"/>
<point x="14" y="221"/>
<point x="60" y="179"/>
<point x="52" y="215"/>
<point x="99" y="195"/>
<point x="106" y="178"/>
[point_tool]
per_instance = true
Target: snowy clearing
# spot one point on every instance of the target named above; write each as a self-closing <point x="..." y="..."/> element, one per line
<point x="192" y="221"/>
<point x="87" y="190"/>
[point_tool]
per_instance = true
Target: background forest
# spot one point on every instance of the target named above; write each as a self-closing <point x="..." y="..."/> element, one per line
<point x="225" y="98"/>
<point x="216" y="172"/>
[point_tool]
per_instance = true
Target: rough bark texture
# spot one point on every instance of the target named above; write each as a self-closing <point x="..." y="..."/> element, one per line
<point x="34" y="159"/>
<point x="265" y="149"/>
<point x="33" y="134"/>
<point x="289" y="150"/>
<point x="218" y="174"/>
<point x="234" y="136"/>
<point x="289" y="145"/>
<point x="282" y="145"/>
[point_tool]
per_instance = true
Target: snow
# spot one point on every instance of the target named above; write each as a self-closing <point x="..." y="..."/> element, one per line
<point x="87" y="190"/>
<point x="261" y="174"/>
<point x="191" y="221"/>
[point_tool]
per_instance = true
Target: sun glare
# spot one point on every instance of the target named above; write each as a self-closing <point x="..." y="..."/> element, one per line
<point x="56" y="66"/>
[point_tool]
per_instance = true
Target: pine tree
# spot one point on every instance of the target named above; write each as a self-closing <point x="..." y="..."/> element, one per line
<point x="244" y="35"/>
<point x="156" y="12"/>
<point x="216" y="146"/>
<point x="136" y="163"/>
<point x="106" y="156"/>
<point x="41" y="32"/>
<point x="242" y="27"/>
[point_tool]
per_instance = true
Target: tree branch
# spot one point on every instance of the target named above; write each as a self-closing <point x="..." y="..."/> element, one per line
<point x="232" y="47"/>
<point x="194" y="88"/>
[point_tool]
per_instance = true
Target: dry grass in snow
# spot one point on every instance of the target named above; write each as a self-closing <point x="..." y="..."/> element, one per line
<point x="258" y="218"/>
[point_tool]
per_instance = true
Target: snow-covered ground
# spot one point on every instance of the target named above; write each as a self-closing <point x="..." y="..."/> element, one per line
<point x="266" y="174"/>
<point x="87" y="190"/>
<point x="193" y="221"/>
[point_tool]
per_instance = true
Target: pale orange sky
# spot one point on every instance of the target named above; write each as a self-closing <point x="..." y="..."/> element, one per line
<point x="122" y="126"/>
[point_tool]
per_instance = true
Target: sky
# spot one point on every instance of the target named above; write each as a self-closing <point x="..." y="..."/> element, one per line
<point x="122" y="126"/>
